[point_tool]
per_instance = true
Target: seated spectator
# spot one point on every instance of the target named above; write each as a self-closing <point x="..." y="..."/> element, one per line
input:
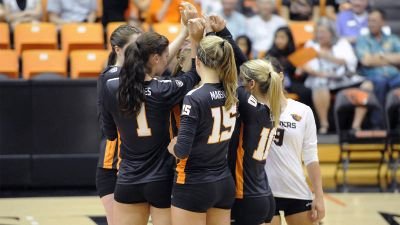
<point x="22" y="11"/>
<point x="70" y="11"/>
<point x="1" y="11"/>
<point x="210" y="6"/>
<point x="263" y="25"/>
<point x="379" y="54"/>
<point x="300" y="10"/>
<point x="245" y="45"/>
<point x="235" y="21"/>
<point x="351" y="23"/>
<point x="335" y="59"/>
<point x="284" y="46"/>
<point x="114" y="11"/>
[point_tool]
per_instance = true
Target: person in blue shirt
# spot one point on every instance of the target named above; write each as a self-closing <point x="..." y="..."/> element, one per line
<point x="351" y="23"/>
<point x="379" y="55"/>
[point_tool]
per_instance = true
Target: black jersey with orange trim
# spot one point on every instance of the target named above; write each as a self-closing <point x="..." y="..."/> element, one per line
<point x="206" y="128"/>
<point x="109" y="150"/>
<point x="145" y="138"/>
<point x="249" y="147"/>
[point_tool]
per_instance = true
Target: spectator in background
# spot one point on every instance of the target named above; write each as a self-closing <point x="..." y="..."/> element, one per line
<point x="69" y="11"/>
<point x="245" y="45"/>
<point x="379" y="54"/>
<point x="263" y="25"/>
<point x="114" y="11"/>
<point x="335" y="58"/>
<point x="284" y="46"/>
<point x="235" y="21"/>
<point x="1" y="11"/>
<point x="351" y="23"/>
<point x="210" y="6"/>
<point x="300" y="10"/>
<point x="22" y="11"/>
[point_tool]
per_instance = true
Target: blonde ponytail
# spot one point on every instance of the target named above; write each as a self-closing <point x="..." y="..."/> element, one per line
<point x="274" y="96"/>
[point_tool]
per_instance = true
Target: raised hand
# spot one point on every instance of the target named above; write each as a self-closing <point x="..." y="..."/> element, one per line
<point x="187" y="11"/>
<point x="196" y="29"/>
<point x="217" y="23"/>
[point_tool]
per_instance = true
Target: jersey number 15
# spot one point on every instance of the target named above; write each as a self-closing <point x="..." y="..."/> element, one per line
<point x="228" y="122"/>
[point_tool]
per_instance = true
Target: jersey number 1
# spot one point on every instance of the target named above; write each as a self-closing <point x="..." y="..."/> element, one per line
<point x="266" y="138"/>
<point x="228" y="122"/>
<point x="143" y="129"/>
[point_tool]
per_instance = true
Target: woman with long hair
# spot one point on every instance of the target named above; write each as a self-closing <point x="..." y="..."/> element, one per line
<point x="107" y="166"/>
<point x="259" y="110"/>
<point x="137" y="111"/>
<point x="203" y="189"/>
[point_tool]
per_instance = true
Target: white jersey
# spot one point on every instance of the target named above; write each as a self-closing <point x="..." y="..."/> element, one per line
<point x="296" y="139"/>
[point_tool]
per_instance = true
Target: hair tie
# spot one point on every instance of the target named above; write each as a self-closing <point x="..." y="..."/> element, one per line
<point x="222" y="44"/>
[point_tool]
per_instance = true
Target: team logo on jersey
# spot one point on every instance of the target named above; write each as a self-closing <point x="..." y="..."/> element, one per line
<point x="178" y="83"/>
<point x="296" y="117"/>
<point x="113" y="70"/>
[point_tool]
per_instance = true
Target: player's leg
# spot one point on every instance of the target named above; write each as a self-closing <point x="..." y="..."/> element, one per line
<point x="105" y="184"/>
<point x="220" y="213"/>
<point x="276" y="220"/>
<point x="158" y="194"/>
<point x="130" y="206"/>
<point x="271" y="206"/>
<point x="184" y="217"/>
<point x="298" y="211"/>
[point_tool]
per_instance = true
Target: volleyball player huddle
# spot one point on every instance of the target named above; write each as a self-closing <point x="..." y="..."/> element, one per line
<point x="214" y="172"/>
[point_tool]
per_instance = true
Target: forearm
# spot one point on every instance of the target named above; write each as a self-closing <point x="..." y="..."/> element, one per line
<point x="314" y="174"/>
<point x="374" y="60"/>
<point x="284" y="12"/>
<point x="187" y="132"/>
<point x="54" y="18"/>
<point x="177" y="43"/>
<point x="92" y="17"/>
<point x="142" y="5"/>
<point x="393" y="58"/>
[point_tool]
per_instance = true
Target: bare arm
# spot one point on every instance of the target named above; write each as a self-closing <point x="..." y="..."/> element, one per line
<point x="374" y="60"/>
<point x="55" y="18"/>
<point x="328" y="56"/>
<point x="25" y="15"/>
<point x="392" y="58"/>
<point x="91" y="18"/>
<point x="318" y="208"/>
<point x="316" y="13"/>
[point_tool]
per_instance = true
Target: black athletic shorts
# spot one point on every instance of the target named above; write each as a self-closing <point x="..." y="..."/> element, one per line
<point x="105" y="181"/>
<point x="292" y="206"/>
<point x="201" y="197"/>
<point x="156" y="193"/>
<point x="253" y="211"/>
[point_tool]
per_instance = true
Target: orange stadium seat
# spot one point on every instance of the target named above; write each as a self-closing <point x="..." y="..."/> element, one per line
<point x="9" y="65"/>
<point x="4" y="36"/>
<point x="35" y="62"/>
<point x="169" y="30"/>
<point x="302" y="31"/>
<point x="76" y="36"/>
<point x="35" y="36"/>
<point x="87" y="63"/>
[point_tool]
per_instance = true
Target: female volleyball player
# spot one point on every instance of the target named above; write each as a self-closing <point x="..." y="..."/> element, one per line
<point x="295" y="140"/>
<point x="259" y="110"/>
<point x="107" y="169"/>
<point x="203" y="191"/>
<point x="139" y="106"/>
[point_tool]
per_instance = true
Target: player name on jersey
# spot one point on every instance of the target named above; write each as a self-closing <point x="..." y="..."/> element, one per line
<point x="215" y="95"/>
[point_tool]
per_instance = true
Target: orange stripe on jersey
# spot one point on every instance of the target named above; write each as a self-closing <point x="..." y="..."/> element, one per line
<point x="239" y="166"/>
<point x="119" y="151"/>
<point x="180" y="169"/>
<point x="109" y="154"/>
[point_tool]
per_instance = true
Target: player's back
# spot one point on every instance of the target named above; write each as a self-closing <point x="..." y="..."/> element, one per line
<point x="214" y="126"/>
<point x="249" y="147"/>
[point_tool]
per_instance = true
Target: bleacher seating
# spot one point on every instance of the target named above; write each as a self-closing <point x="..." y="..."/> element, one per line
<point x="36" y="62"/>
<point x="78" y="36"/>
<point x="4" y="36"/>
<point x="87" y="63"/>
<point x="9" y="65"/>
<point x="35" y="36"/>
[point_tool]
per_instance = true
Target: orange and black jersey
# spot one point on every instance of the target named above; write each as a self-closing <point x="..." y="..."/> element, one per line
<point x="249" y="147"/>
<point x="144" y="139"/>
<point x="109" y="150"/>
<point x="205" y="131"/>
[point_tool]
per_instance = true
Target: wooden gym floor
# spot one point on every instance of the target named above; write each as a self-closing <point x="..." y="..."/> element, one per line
<point x="342" y="209"/>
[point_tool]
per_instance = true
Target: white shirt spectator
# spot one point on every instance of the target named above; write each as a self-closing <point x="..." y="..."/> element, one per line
<point x="236" y="23"/>
<point x="72" y="10"/>
<point x="262" y="32"/>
